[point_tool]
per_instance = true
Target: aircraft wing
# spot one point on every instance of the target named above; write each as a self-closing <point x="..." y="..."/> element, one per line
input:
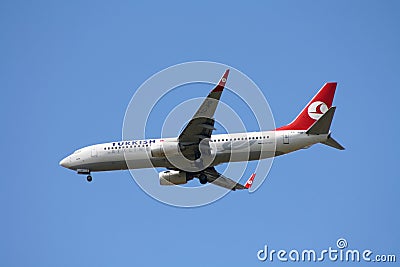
<point x="201" y="125"/>
<point x="216" y="178"/>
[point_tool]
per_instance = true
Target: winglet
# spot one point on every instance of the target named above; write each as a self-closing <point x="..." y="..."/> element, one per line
<point x="222" y="82"/>
<point x="249" y="182"/>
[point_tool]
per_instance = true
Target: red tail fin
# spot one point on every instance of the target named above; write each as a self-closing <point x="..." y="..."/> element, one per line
<point x="320" y="103"/>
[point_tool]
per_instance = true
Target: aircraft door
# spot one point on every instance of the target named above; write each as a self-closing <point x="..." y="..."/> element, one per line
<point x="94" y="152"/>
<point x="286" y="138"/>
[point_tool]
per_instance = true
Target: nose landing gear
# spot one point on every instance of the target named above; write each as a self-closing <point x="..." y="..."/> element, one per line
<point x="85" y="171"/>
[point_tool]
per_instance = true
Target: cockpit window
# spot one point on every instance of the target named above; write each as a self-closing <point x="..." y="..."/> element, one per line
<point x="77" y="151"/>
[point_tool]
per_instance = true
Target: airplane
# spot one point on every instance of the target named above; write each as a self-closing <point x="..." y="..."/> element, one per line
<point x="196" y="151"/>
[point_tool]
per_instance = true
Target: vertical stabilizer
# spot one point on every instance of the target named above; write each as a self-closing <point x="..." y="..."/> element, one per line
<point x="318" y="105"/>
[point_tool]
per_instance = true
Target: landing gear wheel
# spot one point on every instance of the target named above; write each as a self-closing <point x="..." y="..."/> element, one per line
<point x="89" y="178"/>
<point x="203" y="179"/>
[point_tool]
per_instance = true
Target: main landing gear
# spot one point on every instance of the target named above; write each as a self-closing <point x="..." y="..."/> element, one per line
<point x="89" y="178"/>
<point x="203" y="178"/>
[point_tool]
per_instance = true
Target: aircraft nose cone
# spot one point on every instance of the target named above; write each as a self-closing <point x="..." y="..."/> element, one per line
<point x="64" y="162"/>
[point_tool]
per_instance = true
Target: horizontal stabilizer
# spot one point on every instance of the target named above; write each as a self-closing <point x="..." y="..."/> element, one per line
<point x="322" y="125"/>
<point x="333" y="143"/>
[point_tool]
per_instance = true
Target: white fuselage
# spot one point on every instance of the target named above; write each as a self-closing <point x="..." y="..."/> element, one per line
<point x="225" y="148"/>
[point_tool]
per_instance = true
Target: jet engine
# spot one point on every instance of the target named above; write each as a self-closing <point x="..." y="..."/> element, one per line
<point x="173" y="177"/>
<point x="160" y="149"/>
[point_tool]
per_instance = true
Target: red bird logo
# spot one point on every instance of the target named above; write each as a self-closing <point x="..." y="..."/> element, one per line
<point x="317" y="109"/>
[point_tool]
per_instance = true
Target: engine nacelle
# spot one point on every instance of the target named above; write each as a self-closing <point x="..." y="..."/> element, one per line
<point x="173" y="177"/>
<point x="161" y="149"/>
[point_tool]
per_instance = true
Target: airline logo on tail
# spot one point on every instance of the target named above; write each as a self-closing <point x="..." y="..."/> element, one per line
<point x="318" y="105"/>
<point x="317" y="109"/>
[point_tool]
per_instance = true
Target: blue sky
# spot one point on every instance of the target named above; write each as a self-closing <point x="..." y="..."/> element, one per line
<point x="69" y="68"/>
